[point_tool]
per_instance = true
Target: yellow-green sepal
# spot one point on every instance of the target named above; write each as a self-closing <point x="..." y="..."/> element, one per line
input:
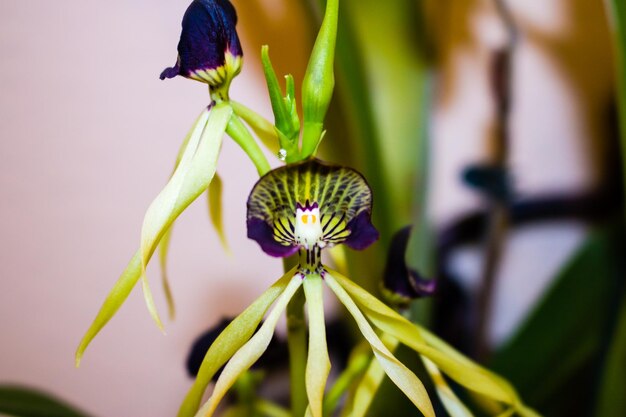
<point x="191" y="178"/>
<point x="451" y="362"/>
<point x="318" y="362"/>
<point x="214" y="201"/>
<point x="236" y="334"/>
<point x="401" y="376"/>
<point x="251" y="351"/>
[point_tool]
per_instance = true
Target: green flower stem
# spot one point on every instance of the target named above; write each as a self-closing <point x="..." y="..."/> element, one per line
<point x="240" y="134"/>
<point x="297" y="344"/>
<point x="262" y="127"/>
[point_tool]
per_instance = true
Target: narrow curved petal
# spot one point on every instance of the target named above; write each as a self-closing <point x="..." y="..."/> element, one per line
<point x="453" y="405"/>
<point x="118" y="294"/>
<point x="369" y="384"/>
<point x="214" y="200"/>
<point x="403" y="377"/>
<point x="451" y="362"/>
<point x="164" y="246"/>
<point x="318" y="363"/>
<point x="229" y="341"/>
<point x="243" y="359"/>
<point x="191" y="178"/>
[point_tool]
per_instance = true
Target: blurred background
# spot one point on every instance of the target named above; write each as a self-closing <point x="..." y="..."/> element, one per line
<point x="89" y="134"/>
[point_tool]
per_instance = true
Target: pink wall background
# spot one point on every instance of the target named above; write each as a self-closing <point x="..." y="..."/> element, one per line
<point x="88" y="135"/>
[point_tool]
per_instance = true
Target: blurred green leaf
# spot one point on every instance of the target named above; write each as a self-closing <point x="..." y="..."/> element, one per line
<point x="612" y="392"/>
<point x="617" y="17"/>
<point x="556" y="350"/>
<point x="26" y="402"/>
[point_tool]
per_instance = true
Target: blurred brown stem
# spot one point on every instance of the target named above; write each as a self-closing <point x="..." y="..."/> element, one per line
<point x="500" y="73"/>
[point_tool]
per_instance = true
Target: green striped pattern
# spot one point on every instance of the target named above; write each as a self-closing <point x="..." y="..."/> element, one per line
<point x="341" y="194"/>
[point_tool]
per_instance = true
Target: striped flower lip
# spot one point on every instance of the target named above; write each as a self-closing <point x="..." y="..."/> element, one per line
<point x="310" y="205"/>
<point x="209" y="50"/>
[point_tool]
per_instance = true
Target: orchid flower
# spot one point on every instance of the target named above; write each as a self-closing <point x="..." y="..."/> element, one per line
<point x="302" y="209"/>
<point x="209" y="51"/>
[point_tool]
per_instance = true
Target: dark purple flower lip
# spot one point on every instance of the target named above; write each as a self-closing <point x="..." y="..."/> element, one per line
<point x="209" y="50"/>
<point x="310" y="204"/>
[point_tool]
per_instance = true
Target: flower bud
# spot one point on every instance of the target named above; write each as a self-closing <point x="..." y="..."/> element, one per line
<point x="209" y="50"/>
<point x="402" y="284"/>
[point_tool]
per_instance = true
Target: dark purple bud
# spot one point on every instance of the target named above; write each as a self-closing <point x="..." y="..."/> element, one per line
<point x="403" y="283"/>
<point x="209" y="50"/>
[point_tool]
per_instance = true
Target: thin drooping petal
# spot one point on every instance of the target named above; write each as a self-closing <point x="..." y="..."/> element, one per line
<point x="340" y="195"/>
<point x="164" y="246"/>
<point x="251" y="351"/>
<point x="371" y="381"/>
<point x="368" y="385"/>
<point x="358" y="363"/>
<point x="191" y="178"/>
<point x="118" y="294"/>
<point x="453" y="405"/>
<point x="318" y="363"/>
<point x="451" y="362"/>
<point x="404" y="379"/>
<point x="214" y="198"/>
<point x="229" y="341"/>
<point x="131" y="274"/>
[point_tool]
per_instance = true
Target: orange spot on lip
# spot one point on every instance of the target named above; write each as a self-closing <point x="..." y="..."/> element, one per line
<point x="305" y="219"/>
<point x="313" y="218"/>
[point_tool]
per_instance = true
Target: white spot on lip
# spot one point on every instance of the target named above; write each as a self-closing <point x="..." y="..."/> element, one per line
<point x="308" y="229"/>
